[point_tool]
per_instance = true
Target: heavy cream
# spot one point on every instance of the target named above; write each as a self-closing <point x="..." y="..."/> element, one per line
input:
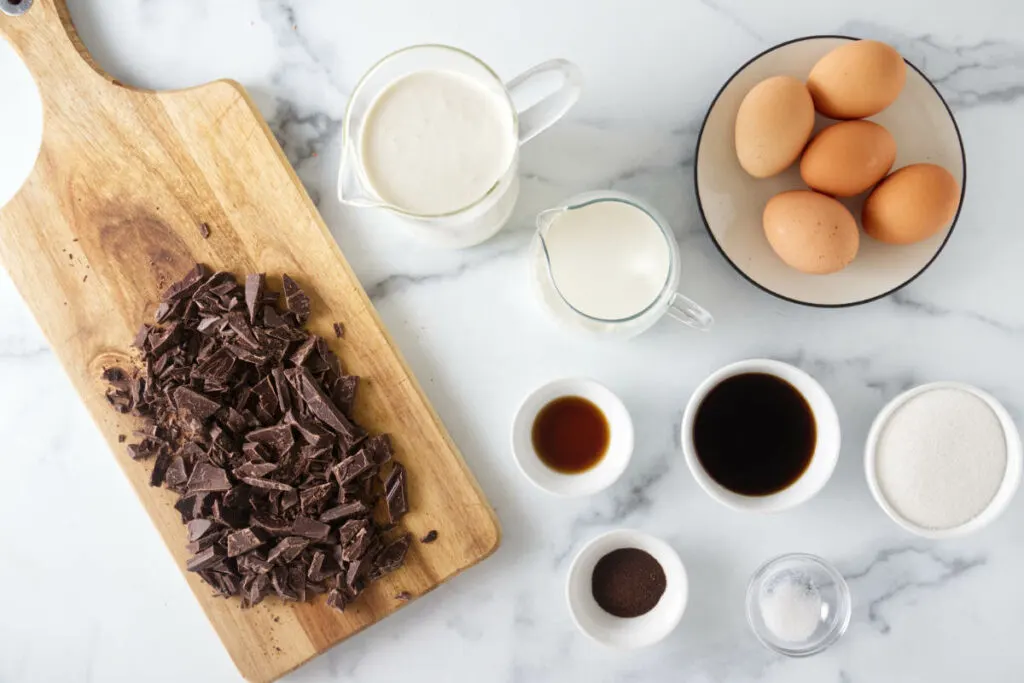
<point x="436" y="141"/>
<point x="609" y="259"/>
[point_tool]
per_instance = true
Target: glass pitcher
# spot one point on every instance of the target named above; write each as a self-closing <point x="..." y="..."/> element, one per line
<point x="484" y="217"/>
<point x="667" y="302"/>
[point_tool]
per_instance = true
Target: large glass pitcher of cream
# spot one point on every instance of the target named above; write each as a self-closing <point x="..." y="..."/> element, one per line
<point x="432" y="134"/>
<point x="608" y="264"/>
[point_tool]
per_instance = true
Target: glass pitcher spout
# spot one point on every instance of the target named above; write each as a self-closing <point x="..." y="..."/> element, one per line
<point x="352" y="186"/>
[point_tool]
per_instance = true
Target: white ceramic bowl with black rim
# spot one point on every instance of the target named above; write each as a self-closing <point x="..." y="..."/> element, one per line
<point x="732" y="202"/>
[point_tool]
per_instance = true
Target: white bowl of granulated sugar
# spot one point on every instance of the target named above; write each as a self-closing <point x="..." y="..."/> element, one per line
<point x="943" y="459"/>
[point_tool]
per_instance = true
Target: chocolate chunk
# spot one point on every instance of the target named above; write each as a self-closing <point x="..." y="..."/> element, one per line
<point x="356" y="508"/>
<point x="278" y="437"/>
<point x="395" y="496"/>
<point x="343" y="393"/>
<point x="255" y="284"/>
<point x="244" y="540"/>
<point x="287" y="549"/>
<point x="358" y="546"/>
<point x="379" y="449"/>
<point x="198" y="527"/>
<point x="272" y="524"/>
<point x="295" y="300"/>
<point x="205" y="559"/>
<point x="207" y="477"/>
<point x="337" y="599"/>
<point x="194" y="404"/>
<point x="186" y="285"/>
<point x="204" y="232"/>
<point x="430" y="537"/>
<point x="350" y="529"/>
<point x="156" y="477"/>
<point x="339" y="330"/>
<point x="351" y="467"/>
<point x="404" y="596"/>
<point x="393" y="555"/>
<point x="254" y="469"/>
<point x="310" y="528"/>
<point x="313" y="498"/>
<point x="266" y="484"/>
<point x="324" y="409"/>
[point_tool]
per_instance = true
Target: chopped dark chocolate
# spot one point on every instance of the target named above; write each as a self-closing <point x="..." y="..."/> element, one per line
<point x="430" y="537"/>
<point x="204" y="232"/>
<point x="287" y="549"/>
<point x="205" y="559"/>
<point x="404" y="596"/>
<point x="351" y="467"/>
<point x="207" y="477"/>
<point x="198" y="527"/>
<point x="255" y="284"/>
<point x="395" y="495"/>
<point x="295" y="300"/>
<point x="249" y="419"/>
<point x="356" y="508"/>
<point x="194" y="404"/>
<point x="244" y="540"/>
<point x="310" y="528"/>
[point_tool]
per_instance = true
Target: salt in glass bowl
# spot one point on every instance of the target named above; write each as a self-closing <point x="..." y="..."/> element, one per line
<point x="836" y="607"/>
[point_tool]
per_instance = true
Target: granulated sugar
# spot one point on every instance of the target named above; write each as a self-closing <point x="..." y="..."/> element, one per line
<point x="941" y="458"/>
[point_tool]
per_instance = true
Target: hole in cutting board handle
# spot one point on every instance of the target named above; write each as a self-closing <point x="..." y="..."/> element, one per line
<point x="15" y="7"/>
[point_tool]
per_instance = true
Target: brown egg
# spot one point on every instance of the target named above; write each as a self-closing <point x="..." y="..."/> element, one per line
<point x="773" y="124"/>
<point x="911" y="205"/>
<point x="848" y="158"/>
<point x="856" y="80"/>
<point x="811" y="232"/>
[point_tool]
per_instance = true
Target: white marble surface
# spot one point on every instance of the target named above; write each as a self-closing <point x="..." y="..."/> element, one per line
<point x="88" y="593"/>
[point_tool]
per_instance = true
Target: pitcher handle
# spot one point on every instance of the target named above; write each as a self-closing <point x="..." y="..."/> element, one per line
<point x="689" y="313"/>
<point x="539" y="116"/>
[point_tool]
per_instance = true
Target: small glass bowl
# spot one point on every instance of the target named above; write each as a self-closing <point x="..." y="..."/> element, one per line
<point x="818" y="575"/>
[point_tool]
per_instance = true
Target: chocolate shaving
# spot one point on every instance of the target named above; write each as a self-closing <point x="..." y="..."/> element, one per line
<point x="248" y="418"/>
<point x="430" y="537"/>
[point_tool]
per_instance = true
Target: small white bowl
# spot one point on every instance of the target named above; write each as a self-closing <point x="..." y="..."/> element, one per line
<point x="826" y="448"/>
<point x="627" y="634"/>
<point x="1005" y="492"/>
<point x="600" y="476"/>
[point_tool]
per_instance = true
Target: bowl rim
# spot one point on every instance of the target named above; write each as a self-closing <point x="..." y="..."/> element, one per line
<point x="736" y="267"/>
<point x="1003" y="495"/>
<point x="826" y="454"/>
<point x="837" y="577"/>
<point x="666" y="555"/>
<point x="614" y="466"/>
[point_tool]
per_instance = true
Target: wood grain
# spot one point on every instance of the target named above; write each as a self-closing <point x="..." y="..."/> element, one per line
<point x="110" y="216"/>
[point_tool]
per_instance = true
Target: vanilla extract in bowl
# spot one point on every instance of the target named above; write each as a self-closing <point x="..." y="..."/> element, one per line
<point x="570" y="434"/>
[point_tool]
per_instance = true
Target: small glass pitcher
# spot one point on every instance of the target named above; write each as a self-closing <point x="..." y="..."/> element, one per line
<point x="484" y="217"/>
<point x="668" y="302"/>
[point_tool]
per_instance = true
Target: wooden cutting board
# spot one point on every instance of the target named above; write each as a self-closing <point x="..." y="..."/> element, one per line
<point x="110" y="216"/>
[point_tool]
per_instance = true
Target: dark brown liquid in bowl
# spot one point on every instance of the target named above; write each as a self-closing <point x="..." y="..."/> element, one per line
<point x="754" y="434"/>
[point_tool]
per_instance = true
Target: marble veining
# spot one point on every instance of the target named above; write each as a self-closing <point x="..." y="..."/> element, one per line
<point x="930" y="611"/>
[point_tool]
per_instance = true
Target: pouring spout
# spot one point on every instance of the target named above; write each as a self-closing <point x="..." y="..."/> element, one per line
<point x="353" y="188"/>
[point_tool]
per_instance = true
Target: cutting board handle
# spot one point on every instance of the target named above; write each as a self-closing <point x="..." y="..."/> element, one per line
<point x="44" y="35"/>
